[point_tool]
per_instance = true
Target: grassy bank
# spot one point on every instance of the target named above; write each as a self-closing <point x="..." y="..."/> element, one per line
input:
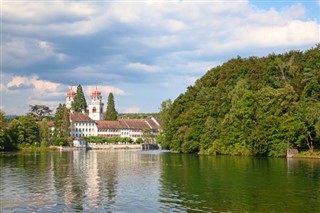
<point x="33" y="148"/>
<point x="308" y="154"/>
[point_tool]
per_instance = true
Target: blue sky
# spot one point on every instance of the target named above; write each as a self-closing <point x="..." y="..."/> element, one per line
<point x="144" y="52"/>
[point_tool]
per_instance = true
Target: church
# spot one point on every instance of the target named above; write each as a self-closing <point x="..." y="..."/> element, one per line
<point x="91" y="123"/>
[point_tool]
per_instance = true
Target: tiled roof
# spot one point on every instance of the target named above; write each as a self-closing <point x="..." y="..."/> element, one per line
<point x="50" y="123"/>
<point x="80" y="117"/>
<point x="136" y="123"/>
<point x="128" y="124"/>
<point x="110" y="125"/>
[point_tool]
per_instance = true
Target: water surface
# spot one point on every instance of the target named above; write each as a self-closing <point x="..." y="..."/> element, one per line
<point x="153" y="181"/>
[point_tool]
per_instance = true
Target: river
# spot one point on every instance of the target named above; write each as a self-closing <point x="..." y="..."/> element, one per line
<point x="155" y="181"/>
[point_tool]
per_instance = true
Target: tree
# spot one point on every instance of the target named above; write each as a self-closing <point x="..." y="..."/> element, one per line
<point x="40" y="111"/>
<point x="79" y="102"/>
<point x="254" y="106"/>
<point x="61" y="135"/>
<point x="164" y="113"/>
<point x="44" y="132"/>
<point x="111" y="113"/>
<point x="30" y="129"/>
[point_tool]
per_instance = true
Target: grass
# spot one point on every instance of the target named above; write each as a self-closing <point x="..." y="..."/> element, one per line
<point x="315" y="153"/>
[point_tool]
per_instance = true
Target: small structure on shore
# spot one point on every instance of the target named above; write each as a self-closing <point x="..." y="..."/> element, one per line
<point x="291" y="152"/>
<point x="79" y="143"/>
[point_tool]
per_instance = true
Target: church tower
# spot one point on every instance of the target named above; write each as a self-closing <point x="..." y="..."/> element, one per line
<point x="96" y="106"/>
<point x="69" y="98"/>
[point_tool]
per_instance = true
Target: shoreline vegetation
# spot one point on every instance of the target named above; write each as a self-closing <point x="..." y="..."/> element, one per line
<point x="244" y="107"/>
<point x="33" y="148"/>
<point x="256" y="106"/>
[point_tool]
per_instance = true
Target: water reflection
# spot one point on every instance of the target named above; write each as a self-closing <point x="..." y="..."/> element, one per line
<point x="79" y="181"/>
<point x="153" y="181"/>
<point x="239" y="184"/>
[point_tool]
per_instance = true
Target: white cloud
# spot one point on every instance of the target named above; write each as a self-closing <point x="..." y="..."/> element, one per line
<point x="173" y="43"/>
<point x="20" y="52"/>
<point x="105" y="90"/>
<point x="3" y="88"/>
<point x="41" y="87"/>
<point x="294" y="11"/>
<point x="142" y="67"/>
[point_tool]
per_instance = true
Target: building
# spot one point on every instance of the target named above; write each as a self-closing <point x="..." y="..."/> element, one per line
<point x="91" y="123"/>
<point x="79" y="142"/>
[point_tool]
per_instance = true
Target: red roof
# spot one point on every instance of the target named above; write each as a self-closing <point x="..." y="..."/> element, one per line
<point x="96" y="93"/>
<point x="71" y="93"/>
<point x="80" y="117"/>
<point x="128" y="124"/>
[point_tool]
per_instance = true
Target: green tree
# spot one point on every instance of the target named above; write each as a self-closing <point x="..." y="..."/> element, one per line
<point x="139" y="141"/>
<point x="61" y="135"/>
<point x="40" y="111"/>
<point x="111" y="113"/>
<point x="30" y="129"/>
<point x="79" y="102"/>
<point x="5" y="144"/>
<point x="164" y="113"/>
<point x="254" y="106"/>
<point x="44" y="132"/>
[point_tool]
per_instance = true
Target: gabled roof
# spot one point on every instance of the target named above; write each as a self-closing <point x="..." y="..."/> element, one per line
<point x="111" y="125"/>
<point x="50" y="123"/>
<point x="80" y="117"/>
<point x="128" y="124"/>
<point x="135" y="123"/>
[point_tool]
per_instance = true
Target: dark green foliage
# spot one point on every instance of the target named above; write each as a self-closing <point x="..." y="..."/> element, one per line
<point x="254" y="106"/>
<point x="111" y="113"/>
<point x="44" y="132"/>
<point x="101" y="139"/>
<point x="40" y="111"/>
<point x="137" y="115"/>
<point x="61" y="135"/>
<point x="139" y="141"/>
<point x="79" y="102"/>
<point x="30" y="130"/>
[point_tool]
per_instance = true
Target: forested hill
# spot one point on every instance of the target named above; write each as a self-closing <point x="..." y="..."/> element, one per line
<point x="252" y="106"/>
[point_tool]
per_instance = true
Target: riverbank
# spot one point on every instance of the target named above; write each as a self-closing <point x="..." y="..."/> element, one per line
<point x="308" y="154"/>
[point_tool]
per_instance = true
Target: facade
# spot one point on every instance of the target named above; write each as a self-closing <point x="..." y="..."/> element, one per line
<point x="91" y="123"/>
<point x="79" y="142"/>
<point x="96" y="106"/>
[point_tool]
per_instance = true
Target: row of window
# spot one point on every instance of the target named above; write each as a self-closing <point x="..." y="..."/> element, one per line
<point x="119" y="130"/>
<point x="84" y="124"/>
<point x="109" y="130"/>
<point x="84" y="130"/>
<point x="109" y="135"/>
<point x="82" y="135"/>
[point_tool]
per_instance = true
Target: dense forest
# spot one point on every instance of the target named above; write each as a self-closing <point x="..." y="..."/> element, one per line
<point x="249" y="106"/>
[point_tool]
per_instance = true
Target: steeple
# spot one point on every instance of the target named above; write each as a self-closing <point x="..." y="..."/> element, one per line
<point x="69" y="98"/>
<point x="96" y="105"/>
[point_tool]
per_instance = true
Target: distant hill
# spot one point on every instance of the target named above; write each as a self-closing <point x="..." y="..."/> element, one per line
<point x="138" y="115"/>
<point x="10" y="117"/>
<point x="250" y="106"/>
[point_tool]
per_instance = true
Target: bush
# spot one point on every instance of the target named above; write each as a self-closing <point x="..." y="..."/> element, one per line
<point x="139" y="141"/>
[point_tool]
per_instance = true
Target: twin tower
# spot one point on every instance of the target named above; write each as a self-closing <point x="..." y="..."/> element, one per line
<point x="95" y="106"/>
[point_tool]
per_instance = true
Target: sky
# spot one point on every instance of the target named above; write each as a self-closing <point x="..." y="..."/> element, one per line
<point x="144" y="52"/>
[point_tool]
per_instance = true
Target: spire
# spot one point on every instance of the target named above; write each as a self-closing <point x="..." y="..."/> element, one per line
<point x="71" y="93"/>
<point x="96" y="93"/>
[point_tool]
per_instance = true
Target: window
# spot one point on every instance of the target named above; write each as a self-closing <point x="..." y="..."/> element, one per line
<point x="94" y="109"/>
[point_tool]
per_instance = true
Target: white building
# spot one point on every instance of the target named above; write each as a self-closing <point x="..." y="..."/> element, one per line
<point x="96" y="106"/>
<point x="69" y="98"/>
<point x="91" y="123"/>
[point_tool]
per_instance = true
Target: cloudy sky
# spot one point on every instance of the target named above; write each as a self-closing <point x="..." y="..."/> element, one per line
<point x="144" y="52"/>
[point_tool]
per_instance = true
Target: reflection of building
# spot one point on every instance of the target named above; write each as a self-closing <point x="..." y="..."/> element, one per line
<point x="91" y="123"/>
